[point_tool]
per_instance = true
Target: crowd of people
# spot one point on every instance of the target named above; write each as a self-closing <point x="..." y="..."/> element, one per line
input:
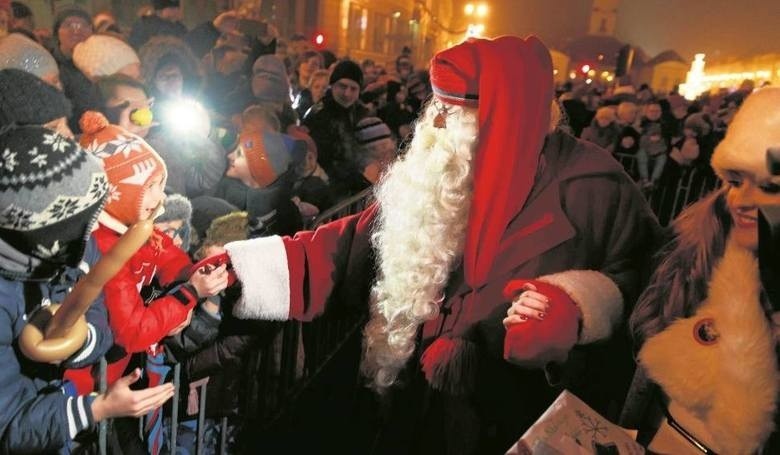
<point x="504" y="253"/>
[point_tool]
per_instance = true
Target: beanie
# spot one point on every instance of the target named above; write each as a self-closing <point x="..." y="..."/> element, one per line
<point x="20" y="52"/>
<point x="69" y="11"/>
<point x="269" y="80"/>
<point x="103" y="55"/>
<point x="228" y="228"/>
<point x="128" y="160"/>
<point x="753" y="131"/>
<point x="178" y="208"/>
<point x="51" y="192"/>
<point x="347" y="69"/>
<point x="27" y="100"/>
<point x="162" y="4"/>
<point x="268" y="155"/>
<point x="371" y="129"/>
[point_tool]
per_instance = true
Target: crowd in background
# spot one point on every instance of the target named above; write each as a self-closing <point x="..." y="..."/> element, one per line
<point x="259" y="134"/>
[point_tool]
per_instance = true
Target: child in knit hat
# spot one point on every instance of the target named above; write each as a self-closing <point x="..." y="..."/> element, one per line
<point x="136" y="177"/>
<point x="377" y="148"/>
<point x="20" y="52"/>
<point x="175" y="220"/>
<point x="51" y="192"/>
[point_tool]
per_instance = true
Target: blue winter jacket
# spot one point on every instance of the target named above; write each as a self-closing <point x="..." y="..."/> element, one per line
<point x="36" y="415"/>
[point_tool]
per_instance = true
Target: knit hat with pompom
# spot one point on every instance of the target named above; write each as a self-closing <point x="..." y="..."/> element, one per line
<point x="130" y="163"/>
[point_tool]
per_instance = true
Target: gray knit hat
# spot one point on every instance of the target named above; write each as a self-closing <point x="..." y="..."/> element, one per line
<point x="269" y="80"/>
<point x="51" y="192"/>
<point x="27" y="100"/>
<point x="20" y="52"/>
<point x="178" y="207"/>
<point x="371" y="129"/>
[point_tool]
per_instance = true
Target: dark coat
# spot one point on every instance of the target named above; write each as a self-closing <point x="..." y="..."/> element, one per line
<point x="584" y="213"/>
<point x="148" y="27"/>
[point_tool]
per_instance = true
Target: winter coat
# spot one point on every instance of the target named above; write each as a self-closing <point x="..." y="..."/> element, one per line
<point x="136" y="325"/>
<point x="603" y="137"/>
<point x="714" y="370"/>
<point x="195" y="163"/>
<point x="35" y="414"/>
<point x="333" y="127"/>
<point x="585" y="221"/>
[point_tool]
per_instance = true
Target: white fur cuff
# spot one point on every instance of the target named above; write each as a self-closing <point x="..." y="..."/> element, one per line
<point x="261" y="266"/>
<point x="598" y="298"/>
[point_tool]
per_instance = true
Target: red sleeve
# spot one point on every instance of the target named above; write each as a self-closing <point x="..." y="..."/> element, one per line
<point x="171" y="261"/>
<point x="135" y="325"/>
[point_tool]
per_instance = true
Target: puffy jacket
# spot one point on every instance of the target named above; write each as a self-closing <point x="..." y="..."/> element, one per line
<point x="35" y="414"/>
<point x="135" y="324"/>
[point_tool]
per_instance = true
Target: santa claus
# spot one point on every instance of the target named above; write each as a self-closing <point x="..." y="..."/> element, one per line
<point x="501" y="255"/>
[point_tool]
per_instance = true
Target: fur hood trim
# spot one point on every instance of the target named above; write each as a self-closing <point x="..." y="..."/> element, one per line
<point x="730" y="384"/>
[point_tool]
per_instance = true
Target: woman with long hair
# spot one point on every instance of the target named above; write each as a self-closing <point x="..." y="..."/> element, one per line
<point x="707" y="377"/>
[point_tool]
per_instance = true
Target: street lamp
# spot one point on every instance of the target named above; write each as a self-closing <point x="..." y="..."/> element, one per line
<point x="479" y="11"/>
<point x="482" y="10"/>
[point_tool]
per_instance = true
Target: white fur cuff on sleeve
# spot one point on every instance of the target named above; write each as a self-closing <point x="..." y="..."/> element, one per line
<point x="261" y="266"/>
<point x="598" y="298"/>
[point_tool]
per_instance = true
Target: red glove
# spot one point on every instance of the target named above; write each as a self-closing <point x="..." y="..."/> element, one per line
<point x="535" y="343"/>
<point x="212" y="262"/>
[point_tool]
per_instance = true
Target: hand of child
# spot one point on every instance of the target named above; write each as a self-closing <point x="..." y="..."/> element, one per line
<point x="208" y="282"/>
<point x="120" y="401"/>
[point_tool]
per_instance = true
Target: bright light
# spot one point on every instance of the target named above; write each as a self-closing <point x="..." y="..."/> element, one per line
<point x="588" y="81"/>
<point x="186" y="116"/>
<point x="397" y="14"/>
<point x="482" y="10"/>
<point x="585" y="68"/>
<point x="319" y="39"/>
<point x="468" y="9"/>
<point x="610" y="78"/>
<point x="555" y="72"/>
<point x="694" y="82"/>
<point x="592" y="73"/>
<point x="572" y="75"/>
<point x="475" y="30"/>
<point x="605" y="74"/>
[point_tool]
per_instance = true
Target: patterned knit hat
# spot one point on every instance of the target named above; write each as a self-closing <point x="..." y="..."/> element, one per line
<point x="18" y="51"/>
<point x="270" y="155"/>
<point x="370" y="130"/>
<point x="129" y="162"/>
<point x="27" y="100"/>
<point x="51" y="192"/>
<point x="103" y="55"/>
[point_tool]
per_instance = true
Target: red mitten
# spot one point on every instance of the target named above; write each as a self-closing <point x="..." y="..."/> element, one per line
<point x="212" y="262"/>
<point x="535" y="343"/>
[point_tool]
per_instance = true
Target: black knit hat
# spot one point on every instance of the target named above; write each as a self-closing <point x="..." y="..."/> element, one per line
<point x="347" y="69"/>
<point x="51" y="192"/>
<point x="27" y="100"/>
<point x="67" y="12"/>
<point x="162" y="4"/>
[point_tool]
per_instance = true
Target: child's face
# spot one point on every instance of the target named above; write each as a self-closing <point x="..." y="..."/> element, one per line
<point x="154" y="195"/>
<point x="653" y="112"/>
<point x="238" y="168"/>
<point x="171" y="229"/>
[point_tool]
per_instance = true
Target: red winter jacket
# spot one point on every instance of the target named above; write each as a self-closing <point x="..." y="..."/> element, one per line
<point x="137" y="326"/>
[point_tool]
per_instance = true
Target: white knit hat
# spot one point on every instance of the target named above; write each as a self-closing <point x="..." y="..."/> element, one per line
<point x="20" y="52"/>
<point x="754" y="129"/>
<point x="103" y="55"/>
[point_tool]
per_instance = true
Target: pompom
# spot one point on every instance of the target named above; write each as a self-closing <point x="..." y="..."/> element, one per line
<point x="92" y="122"/>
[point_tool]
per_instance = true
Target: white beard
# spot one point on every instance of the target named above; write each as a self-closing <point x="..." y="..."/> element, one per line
<point x="424" y="205"/>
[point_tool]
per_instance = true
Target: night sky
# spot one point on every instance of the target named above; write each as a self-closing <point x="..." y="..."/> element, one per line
<point x="717" y="27"/>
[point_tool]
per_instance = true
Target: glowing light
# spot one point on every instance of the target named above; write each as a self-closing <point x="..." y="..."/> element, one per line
<point x="475" y="30"/>
<point x="592" y="73"/>
<point x="585" y="69"/>
<point x="610" y="78"/>
<point x="588" y="81"/>
<point x="319" y="40"/>
<point x="397" y="14"/>
<point x="482" y="10"/>
<point x="694" y="82"/>
<point x="555" y="72"/>
<point x="605" y="74"/>
<point x="468" y="9"/>
<point x="572" y="75"/>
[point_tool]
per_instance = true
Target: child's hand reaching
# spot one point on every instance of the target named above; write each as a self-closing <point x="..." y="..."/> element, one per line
<point x="208" y="282"/>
